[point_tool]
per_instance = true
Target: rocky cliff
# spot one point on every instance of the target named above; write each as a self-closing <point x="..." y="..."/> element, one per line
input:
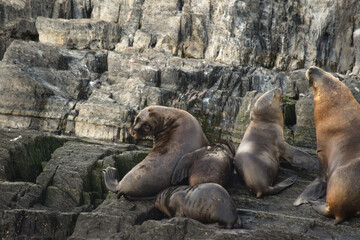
<point x="74" y="74"/>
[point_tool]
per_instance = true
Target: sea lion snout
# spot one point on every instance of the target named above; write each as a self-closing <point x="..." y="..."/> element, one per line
<point x="133" y="132"/>
<point x="277" y="93"/>
<point x="311" y="73"/>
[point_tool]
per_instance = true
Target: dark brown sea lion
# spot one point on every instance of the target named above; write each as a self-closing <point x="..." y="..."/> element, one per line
<point x="258" y="157"/>
<point x="176" y="132"/>
<point x="207" y="164"/>
<point x="337" y="123"/>
<point x="207" y="203"/>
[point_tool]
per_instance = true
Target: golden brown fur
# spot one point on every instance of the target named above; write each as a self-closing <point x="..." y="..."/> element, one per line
<point x="337" y="122"/>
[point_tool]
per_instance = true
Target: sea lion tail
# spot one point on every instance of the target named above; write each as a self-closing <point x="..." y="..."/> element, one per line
<point x="111" y="179"/>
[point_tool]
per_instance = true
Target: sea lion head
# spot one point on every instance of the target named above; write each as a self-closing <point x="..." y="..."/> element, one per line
<point x="169" y="199"/>
<point x="319" y="79"/>
<point x="267" y="107"/>
<point x="145" y="124"/>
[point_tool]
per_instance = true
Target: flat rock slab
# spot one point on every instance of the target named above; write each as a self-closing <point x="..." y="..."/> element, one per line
<point x="67" y="201"/>
<point x="271" y="217"/>
<point x="36" y="224"/>
<point x="78" y="33"/>
<point x="114" y="216"/>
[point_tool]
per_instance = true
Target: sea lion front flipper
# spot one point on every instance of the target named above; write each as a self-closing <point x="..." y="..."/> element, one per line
<point x="281" y="186"/>
<point x="181" y="170"/>
<point x="111" y="178"/>
<point x="298" y="158"/>
<point x="315" y="190"/>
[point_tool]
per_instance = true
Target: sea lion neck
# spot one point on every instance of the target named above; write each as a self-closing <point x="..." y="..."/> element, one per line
<point x="167" y="123"/>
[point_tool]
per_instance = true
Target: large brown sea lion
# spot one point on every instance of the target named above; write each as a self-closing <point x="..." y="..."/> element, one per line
<point x="207" y="203"/>
<point x="258" y="157"/>
<point x="337" y="123"/>
<point x="176" y="132"/>
<point x="207" y="164"/>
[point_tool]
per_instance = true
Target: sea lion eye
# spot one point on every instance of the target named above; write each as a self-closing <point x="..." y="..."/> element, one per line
<point x="146" y="127"/>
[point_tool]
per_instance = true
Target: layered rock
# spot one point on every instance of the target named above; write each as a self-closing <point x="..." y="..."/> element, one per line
<point x="17" y="20"/>
<point x="99" y="62"/>
<point x="79" y="33"/>
<point x="48" y="181"/>
<point x="96" y="94"/>
<point x="40" y="84"/>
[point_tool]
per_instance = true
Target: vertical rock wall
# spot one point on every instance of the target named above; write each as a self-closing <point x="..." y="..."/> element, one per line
<point x="99" y="62"/>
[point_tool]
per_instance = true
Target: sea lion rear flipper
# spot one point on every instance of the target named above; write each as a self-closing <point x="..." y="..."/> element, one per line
<point x="298" y="158"/>
<point x="315" y="190"/>
<point x="323" y="209"/>
<point x="281" y="185"/>
<point x="181" y="170"/>
<point x="111" y="178"/>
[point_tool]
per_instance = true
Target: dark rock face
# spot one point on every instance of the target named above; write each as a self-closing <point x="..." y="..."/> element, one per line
<point x="84" y="68"/>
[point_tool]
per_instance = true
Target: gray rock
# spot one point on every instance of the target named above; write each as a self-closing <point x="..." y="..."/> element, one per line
<point x="78" y="33"/>
<point x="265" y="218"/>
<point x="70" y="9"/>
<point x="109" y="10"/>
<point x="112" y="216"/>
<point x="71" y="175"/>
<point x="209" y="58"/>
<point x="23" y="153"/>
<point x="36" y="224"/>
<point x="19" y="195"/>
<point x="17" y="20"/>
<point x="243" y="117"/>
<point x="304" y="131"/>
<point x="39" y="83"/>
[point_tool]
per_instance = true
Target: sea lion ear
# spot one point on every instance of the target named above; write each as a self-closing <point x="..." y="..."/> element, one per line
<point x="314" y="85"/>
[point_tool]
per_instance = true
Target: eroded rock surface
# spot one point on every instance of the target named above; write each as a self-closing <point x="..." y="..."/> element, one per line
<point x="84" y="68"/>
<point x="69" y="200"/>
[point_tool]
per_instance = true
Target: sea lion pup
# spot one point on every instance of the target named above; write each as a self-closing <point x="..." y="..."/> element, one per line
<point x="337" y="123"/>
<point x="207" y="203"/>
<point x="207" y="164"/>
<point x="176" y="132"/>
<point x="258" y="157"/>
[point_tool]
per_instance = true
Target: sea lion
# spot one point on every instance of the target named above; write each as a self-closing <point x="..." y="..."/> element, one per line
<point x="337" y="123"/>
<point x="176" y="132"/>
<point x="258" y="157"/>
<point x="207" y="203"/>
<point x="207" y="164"/>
